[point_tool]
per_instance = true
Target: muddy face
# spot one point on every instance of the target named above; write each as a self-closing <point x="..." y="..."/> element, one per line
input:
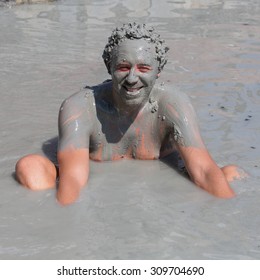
<point x="134" y="71"/>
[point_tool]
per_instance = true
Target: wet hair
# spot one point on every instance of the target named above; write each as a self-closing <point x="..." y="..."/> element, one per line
<point x="134" y="31"/>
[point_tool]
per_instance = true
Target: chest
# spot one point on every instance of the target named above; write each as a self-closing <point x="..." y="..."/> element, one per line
<point x="115" y="138"/>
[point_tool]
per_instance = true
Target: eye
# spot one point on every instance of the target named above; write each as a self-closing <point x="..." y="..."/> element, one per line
<point x="123" y="67"/>
<point x="144" y="68"/>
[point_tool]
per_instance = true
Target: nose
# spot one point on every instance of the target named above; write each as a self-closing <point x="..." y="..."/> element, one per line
<point x="132" y="77"/>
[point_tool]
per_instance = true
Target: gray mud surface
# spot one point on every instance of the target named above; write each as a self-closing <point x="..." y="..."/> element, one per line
<point x="131" y="209"/>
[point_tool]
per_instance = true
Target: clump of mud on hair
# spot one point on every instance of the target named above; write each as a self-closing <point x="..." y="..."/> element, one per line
<point x="134" y="31"/>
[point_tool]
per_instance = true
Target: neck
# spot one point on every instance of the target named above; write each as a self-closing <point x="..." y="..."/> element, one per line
<point x="128" y="109"/>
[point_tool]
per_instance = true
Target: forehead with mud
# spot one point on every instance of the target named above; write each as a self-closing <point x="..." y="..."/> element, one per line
<point x="133" y="31"/>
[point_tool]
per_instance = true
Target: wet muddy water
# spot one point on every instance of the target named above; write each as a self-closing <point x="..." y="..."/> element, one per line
<point x="131" y="209"/>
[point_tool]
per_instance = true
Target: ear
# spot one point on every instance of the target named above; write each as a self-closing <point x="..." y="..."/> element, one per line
<point x="109" y="68"/>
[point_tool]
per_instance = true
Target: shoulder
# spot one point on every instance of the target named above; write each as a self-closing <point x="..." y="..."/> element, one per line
<point x="82" y="104"/>
<point x="173" y="103"/>
<point x="77" y="109"/>
<point x="83" y="101"/>
<point x="169" y="94"/>
<point x="176" y="106"/>
<point x="78" y="100"/>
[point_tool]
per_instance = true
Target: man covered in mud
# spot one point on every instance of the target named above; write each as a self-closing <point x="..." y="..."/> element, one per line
<point x="130" y="117"/>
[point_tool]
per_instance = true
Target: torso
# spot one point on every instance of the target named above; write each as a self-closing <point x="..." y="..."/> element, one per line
<point x="114" y="137"/>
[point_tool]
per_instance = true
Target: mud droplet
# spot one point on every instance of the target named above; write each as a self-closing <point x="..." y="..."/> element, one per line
<point x="154" y="104"/>
<point x="87" y="95"/>
<point x="151" y="100"/>
<point x="154" y="109"/>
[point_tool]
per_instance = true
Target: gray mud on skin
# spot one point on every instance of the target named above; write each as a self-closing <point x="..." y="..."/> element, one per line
<point x="48" y="51"/>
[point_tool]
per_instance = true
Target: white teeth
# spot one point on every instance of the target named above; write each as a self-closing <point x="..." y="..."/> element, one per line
<point x="132" y="91"/>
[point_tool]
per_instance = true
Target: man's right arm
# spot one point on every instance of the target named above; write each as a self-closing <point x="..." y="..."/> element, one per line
<point x="74" y="171"/>
<point x="73" y="150"/>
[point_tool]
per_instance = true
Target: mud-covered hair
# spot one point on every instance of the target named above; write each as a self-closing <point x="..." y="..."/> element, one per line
<point x="134" y="31"/>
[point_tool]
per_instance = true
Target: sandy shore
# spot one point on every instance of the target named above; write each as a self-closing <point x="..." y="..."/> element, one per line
<point x="131" y="209"/>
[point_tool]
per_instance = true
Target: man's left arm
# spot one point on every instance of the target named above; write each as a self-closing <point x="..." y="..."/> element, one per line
<point x="204" y="172"/>
<point x="202" y="169"/>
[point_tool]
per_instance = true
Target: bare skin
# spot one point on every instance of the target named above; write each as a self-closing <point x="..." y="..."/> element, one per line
<point x="129" y="117"/>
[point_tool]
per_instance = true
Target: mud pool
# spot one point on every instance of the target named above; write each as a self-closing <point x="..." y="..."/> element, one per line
<point x="131" y="209"/>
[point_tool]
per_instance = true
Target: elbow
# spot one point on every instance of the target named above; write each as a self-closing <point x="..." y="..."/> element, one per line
<point x="215" y="184"/>
<point x="198" y="178"/>
<point x="69" y="189"/>
<point x="65" y="199"/>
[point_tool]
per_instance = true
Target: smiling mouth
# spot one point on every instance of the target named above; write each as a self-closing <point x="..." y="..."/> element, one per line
<point x="132" y="91"/>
